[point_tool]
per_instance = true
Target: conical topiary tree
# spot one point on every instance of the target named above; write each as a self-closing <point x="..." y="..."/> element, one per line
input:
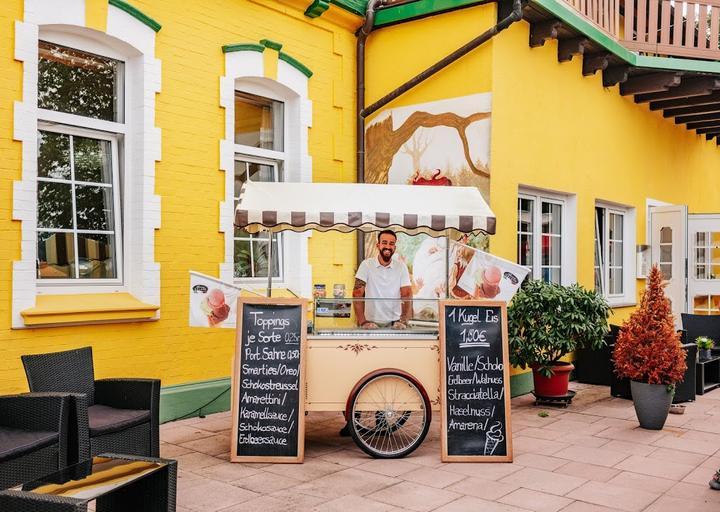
<point x="648" y="347"/>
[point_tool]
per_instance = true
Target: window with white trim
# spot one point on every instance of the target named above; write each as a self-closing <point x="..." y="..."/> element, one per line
<point x="260" y="156"/>
<point x="541" y="236"/>
<point x="609" y="240"/>
<point x="251" y="250"/>
<point x="614" y="248"/>
<point x="79" y="235"/>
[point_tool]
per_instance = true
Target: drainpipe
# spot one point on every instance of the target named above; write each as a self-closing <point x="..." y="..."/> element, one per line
<point x="515" y="15"/>
<point x="362" y="36"/>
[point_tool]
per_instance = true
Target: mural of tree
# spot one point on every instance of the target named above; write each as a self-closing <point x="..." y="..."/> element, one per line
<point x="384" y="143"/>
<point x="419" y="145"/>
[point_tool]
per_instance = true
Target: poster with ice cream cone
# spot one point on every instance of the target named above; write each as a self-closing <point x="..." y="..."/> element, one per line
<point x="475" y="274"/>
<point x="213" y="303"/>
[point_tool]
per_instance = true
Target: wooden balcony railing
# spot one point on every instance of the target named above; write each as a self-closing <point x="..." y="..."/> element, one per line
<point x="659" y="27"/>
<point x="604" y="13"/>
<point x="673" y="28"/>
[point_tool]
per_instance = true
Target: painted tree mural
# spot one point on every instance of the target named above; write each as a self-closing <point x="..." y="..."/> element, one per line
<point x="384" y="143"/>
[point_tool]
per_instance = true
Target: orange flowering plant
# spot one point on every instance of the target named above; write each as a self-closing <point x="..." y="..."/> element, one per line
<point x="648" y="347"/>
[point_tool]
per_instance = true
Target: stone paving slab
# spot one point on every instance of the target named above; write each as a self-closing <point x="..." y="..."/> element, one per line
<point x="590" y="457"/>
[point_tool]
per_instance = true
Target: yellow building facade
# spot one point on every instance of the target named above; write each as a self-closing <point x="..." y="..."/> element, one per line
<point x="556" y="137"/>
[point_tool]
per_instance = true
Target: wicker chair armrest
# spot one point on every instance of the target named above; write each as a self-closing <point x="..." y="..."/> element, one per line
<point x="79" y="446"/>
<point x="128" y="393"/>
<point x="36" y="412"/>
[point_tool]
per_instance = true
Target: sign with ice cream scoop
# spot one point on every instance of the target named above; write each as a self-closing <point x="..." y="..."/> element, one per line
<point x="475" y="274"/>
<point x="474" y="382"/>
<point x="212" y="302"/>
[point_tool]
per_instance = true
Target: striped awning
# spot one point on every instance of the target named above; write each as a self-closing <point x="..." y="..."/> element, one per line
<point x="349" y="207"/>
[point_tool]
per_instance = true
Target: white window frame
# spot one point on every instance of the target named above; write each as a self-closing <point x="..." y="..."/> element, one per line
<point x="627" y="297"/>
<point x="266" y="157"/>
<point x="245" y="71"/>
<point x="124" y="38"/>
<point x="117" y="209"/>
<point x="568" y="244"/>
<point x="278" y="237"/>
<point x="73" y="124"/>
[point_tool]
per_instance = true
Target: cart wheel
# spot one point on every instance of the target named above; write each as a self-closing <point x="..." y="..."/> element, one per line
<point x="390" y="414"/>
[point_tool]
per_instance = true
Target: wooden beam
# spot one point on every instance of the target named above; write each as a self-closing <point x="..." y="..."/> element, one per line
<point x="615" y="75"/>
<point x="697" y="118"/>
<point x="567" y="48"/>
<point x="704" y="124"/>
<point x="594" y="62"/>
<point x="713" y="97"/>
<point x="710" y="136"/>
<point x="652" y="82"/>
<point x="711" y="132"/>
<point x="690" y="87"/>
<point x="699" y="109"/>
<point x="540" y="32"/>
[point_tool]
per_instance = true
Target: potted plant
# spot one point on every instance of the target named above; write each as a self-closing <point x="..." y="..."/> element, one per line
<point x="649" y="353"/>
<point x="705" y="345"/>
<point x="547" y="321"/>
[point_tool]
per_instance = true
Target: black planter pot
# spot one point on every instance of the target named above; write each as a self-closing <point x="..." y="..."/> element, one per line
<point x="652" y="404"/>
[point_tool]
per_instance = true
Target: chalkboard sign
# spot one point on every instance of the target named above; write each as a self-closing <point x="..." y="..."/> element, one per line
<point x="268" y="397"/>
<point x="475" y="382"/>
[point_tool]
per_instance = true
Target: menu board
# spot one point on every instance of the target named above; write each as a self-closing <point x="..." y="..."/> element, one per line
<point x="268" y="381"/>
<point x="475" y="382"/>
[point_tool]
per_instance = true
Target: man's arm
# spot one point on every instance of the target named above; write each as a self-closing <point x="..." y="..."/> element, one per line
<point x="359" y="305"/>
<point x="406" y="294"/>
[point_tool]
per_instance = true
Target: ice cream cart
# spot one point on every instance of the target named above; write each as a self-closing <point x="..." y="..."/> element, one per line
<point x="385" y="381"/>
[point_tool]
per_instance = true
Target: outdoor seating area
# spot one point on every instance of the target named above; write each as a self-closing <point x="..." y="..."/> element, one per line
<point x="590" y="457"/>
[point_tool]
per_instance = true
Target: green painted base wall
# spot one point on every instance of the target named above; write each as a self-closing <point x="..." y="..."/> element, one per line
<point x="186" y="400"/>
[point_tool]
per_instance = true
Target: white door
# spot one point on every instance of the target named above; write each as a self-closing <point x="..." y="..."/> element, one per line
<point x="704" y="264"/>
<point x="668" y="249"/>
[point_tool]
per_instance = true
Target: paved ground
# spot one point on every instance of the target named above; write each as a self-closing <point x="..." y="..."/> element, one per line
<point x="591" y="457"/>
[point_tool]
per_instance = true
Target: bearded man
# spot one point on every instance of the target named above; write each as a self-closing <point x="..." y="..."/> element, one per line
<point x="383" y="277"/>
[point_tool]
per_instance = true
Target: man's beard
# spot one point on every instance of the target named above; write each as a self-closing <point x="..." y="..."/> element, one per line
<point x="383" y="256"/>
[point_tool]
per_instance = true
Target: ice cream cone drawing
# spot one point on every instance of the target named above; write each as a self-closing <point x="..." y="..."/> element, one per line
<point x="214" y="306"/>
<point x="493" y="438"/>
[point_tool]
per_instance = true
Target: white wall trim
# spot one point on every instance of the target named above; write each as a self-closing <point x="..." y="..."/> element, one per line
<point x="135" y="42"/>
<point x="244" y="70"/>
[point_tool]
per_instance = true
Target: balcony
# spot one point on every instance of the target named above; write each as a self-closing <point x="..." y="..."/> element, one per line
<point x="665" y="28"/>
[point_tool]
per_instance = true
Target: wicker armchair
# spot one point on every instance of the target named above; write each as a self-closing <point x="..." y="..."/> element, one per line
<point x="701" y="325"/>
<point x="117" y="415"/>
<point x="33" y="436"/>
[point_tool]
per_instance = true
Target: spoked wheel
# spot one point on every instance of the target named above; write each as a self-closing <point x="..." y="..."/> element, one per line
<point x="390" y="414"/>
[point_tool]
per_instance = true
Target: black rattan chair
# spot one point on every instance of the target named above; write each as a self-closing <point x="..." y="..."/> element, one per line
<point x="117" y="415"/>
<point x="701" y="325"/>
<point x="33" y="436"/>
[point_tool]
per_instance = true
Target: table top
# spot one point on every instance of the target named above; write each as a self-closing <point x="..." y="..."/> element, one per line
<point x="714" y="357"/>
<point x="93" y="478"/>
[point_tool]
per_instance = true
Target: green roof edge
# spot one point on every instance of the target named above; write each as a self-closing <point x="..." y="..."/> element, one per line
<point x="273" y="45"/>
<point x="405" y="12"/>
<point x="136" y="13"/>
<point x="354" y="6"/>
<point x="573" y="18"/>
<point x="296" y="64"/>
<point x="243" y="47"/>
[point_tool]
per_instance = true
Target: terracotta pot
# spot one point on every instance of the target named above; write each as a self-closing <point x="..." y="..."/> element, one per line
<point x="557" y="384"/>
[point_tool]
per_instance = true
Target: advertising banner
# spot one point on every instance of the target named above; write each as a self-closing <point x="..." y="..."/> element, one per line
<point x="213" y="303"/>
<point x="475" y="274"/>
